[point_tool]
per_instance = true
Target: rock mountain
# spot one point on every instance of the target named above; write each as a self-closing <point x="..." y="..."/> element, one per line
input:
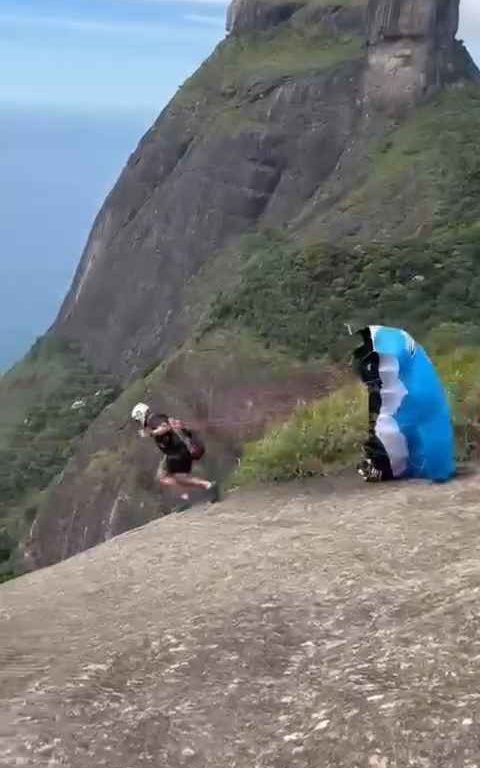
<point x="320" y="166"/>
<point x="317" y="163"/>
<point x="251" y="140"/>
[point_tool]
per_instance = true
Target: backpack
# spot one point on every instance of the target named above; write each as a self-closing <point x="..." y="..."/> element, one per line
<point x="194" y="445"/>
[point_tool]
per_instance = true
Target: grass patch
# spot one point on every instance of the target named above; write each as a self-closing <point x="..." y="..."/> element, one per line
<point x="284" y="52"/>
<point x="434" y="157"/>
<point x="241" y="62"/>
<point x="460" y="372"/>
<point x="328" y="435"/>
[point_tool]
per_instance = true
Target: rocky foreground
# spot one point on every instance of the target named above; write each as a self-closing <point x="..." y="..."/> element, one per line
<point x="320" y="625"/>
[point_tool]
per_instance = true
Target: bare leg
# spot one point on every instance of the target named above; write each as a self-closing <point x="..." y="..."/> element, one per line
<point x="187" y="481"/>
<point x="181" y="481"/>
<point x="192" y="482"/>
<point x="169" y="481"/>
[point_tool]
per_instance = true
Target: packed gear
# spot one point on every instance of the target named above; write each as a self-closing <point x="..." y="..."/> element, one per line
<point x="410" y="427"/>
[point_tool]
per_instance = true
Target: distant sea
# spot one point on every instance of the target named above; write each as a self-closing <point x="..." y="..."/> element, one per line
<point x="55" y="171"/>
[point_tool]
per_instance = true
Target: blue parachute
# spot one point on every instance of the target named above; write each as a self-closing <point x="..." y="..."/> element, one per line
<point x="411" y="433"/>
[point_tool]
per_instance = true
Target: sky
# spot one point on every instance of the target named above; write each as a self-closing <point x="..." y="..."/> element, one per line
<point x="470" y="26"/>
<point x="81" y="82"/>
<point x="103" y="54"/>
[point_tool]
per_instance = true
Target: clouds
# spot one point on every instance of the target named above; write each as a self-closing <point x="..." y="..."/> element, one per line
<point x="223" y="3"/>
<point x="206" y="19"/>
<point x="103" y="54"/>
<point x="155" y="30"/>
<point x="83" y="26"/>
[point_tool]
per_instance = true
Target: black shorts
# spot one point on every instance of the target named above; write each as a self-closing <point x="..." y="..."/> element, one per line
<point x="179" y="465"/>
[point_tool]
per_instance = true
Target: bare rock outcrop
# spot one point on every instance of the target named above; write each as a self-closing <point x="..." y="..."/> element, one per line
<point x="247" y="15"/>
<point x="299" y="627"/>
<point x="412" y="51"/>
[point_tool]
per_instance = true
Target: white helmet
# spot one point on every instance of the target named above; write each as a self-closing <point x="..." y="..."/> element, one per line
<point x="140" y="412"/>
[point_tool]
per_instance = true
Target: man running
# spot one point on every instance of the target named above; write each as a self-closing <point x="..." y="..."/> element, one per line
<point x="174" y="441"/>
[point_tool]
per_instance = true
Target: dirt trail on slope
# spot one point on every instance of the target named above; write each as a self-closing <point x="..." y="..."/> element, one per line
<point x="308" y="626"/>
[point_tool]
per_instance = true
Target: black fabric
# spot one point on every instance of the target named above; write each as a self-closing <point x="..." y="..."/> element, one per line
<point x="374" y="450"/>
<point x="179" y="464"/>
<point x="366" y="363"/>
<point x="170" y="443"/>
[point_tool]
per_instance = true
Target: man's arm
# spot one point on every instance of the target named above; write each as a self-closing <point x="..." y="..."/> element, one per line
<point x="155" y="430"/>
<point x="159" y="431"/>
<point x="182" y="431"/>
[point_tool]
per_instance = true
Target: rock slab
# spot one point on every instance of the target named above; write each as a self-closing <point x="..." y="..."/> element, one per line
<point x="321" y="625"/>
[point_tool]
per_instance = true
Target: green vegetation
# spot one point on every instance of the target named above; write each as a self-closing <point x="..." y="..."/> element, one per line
<point x="327" y="435"/>
<point x="38" y="375"/>
<point x="460" y="372"/>
<point x="54" y="395"/>
<point x="264" y="57"/>
<point x="283" y="52"/>
<point x="301" y="297"/>
<point x="432" y="159"/>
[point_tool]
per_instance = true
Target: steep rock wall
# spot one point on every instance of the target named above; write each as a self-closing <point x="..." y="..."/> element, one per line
<point x="190" y="190"/>
<point x="228" y="156"/>
<point x="412" y="51"/>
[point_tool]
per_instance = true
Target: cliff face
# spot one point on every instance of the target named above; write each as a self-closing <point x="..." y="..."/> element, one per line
<point x="255" y="15"/>
<point x="412" y="50"/>
<point x="250" y="141"/>
<point x="192" y="188"/>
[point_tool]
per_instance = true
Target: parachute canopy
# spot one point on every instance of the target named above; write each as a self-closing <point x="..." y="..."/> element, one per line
<point x="411" y="433"/>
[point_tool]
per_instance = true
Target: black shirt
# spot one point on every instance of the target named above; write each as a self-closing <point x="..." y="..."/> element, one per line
<point x="170" y="443"/>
